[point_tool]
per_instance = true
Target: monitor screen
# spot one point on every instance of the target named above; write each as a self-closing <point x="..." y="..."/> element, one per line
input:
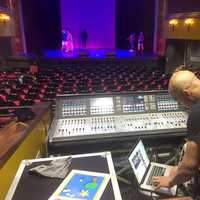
<point x="139" y="161"/>
<point x="102" y="105"/>
<point x="102" y="102"/>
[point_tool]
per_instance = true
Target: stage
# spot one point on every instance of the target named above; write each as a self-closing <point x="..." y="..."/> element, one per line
<point x="87" y="57"/>
<point x="97" y="53"/>
<point x="94" y="57"/>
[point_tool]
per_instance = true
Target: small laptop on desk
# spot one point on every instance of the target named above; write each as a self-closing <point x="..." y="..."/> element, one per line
<point x="144" y="170"/>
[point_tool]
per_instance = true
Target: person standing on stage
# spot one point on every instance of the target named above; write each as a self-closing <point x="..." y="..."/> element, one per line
<point x="64" y="39"/>
<point x="140" y="42"/>
<point x="84" y="37"/>
<point x="69" y="42"/>
<point x="131" y="39"/>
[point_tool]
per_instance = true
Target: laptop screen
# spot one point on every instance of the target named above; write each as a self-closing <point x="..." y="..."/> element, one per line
<point x="139" y="161"/>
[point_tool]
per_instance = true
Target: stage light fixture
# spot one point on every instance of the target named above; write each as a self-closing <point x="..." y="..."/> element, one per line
<point x="189" y="22"/>
<point x="173" y="23"/>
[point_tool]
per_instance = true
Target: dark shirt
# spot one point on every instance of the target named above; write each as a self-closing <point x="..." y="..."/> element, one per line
<point x="193" y="133"/>
<point x="193" y="122"/>
<point x="84" y="35"/>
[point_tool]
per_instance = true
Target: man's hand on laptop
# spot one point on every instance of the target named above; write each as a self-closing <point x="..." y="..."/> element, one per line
<point x="161" y="181"/>
<point x="164" y="181"/>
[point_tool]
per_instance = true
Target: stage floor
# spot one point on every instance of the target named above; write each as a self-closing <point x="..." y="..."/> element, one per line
<point x="96" y="53"/>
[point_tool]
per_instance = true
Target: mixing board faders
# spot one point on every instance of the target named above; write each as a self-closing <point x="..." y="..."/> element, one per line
<point x="154" y="121"/>
<point x="116" y="124"/>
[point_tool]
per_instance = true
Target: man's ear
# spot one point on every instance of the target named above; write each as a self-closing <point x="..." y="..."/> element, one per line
<point x="188" y="94"/>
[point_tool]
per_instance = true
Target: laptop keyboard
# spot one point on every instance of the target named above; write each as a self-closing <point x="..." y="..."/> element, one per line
<point x="156" y="171"/>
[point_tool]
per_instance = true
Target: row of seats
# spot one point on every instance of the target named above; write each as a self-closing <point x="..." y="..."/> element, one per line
<point x="53" y="81"/>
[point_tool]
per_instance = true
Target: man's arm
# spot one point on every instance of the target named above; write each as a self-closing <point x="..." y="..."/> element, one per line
<point x="185" y="170"/>
<point x="189" y="164"/>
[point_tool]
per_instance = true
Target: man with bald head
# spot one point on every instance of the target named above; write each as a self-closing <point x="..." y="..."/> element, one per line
<point x="184" y="86"/>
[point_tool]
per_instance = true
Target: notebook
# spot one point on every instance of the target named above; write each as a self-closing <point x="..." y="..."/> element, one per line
<point x="144" y="170"/>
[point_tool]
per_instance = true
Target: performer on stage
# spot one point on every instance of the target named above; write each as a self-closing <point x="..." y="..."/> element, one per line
<point x="67" y="41"/>
<point x="131" y="39"/>
<point x="84" y="37"/>
<point x="140" y="42"/>
<point x="64" y="38"/>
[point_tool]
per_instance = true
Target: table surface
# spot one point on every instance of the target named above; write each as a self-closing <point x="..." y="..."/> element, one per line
<point x="29" y="186"/>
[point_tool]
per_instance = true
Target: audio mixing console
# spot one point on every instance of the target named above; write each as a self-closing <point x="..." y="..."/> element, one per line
<point x="116" y="116"/>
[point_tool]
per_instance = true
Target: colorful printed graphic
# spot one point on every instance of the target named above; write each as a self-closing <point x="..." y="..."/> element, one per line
<point x="82" y="185"/>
